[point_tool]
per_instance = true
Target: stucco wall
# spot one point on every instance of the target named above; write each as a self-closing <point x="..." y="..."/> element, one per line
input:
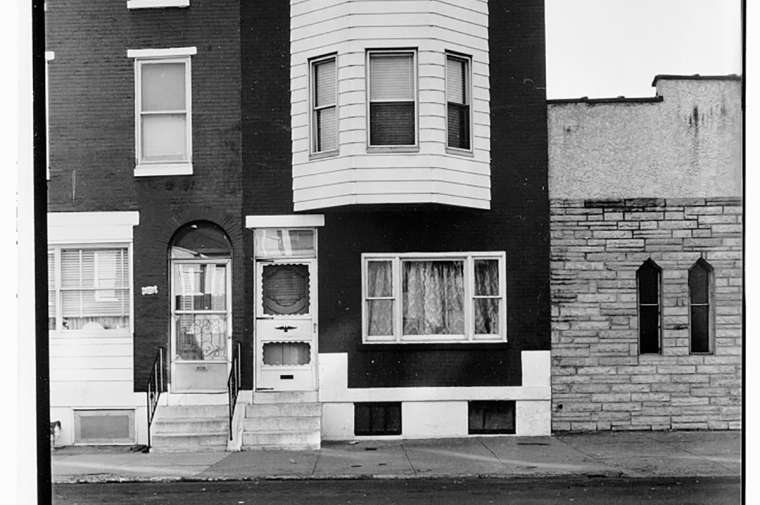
<point x="687" y="145"/>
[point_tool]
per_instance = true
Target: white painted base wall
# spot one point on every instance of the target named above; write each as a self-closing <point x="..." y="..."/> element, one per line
<point x="435" y="412"/>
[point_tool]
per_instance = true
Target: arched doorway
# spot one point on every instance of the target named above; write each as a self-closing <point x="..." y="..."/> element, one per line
<point x="201" y="324"/>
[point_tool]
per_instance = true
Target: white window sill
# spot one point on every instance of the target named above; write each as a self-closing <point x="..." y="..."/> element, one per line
<point x="158" y="169"/>
<point x="153" y="4"/>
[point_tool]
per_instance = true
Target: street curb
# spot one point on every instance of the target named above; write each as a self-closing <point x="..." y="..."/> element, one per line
<point x="96" y="479"/>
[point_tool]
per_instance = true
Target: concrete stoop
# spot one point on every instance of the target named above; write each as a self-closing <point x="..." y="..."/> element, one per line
<point x="283" y="421"/>
<point x="190" y="428"/>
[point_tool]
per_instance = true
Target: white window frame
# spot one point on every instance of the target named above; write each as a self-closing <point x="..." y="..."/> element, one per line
<point x="469" y="296"/>
<point x="154" y="56"/>
<point x="415" y="78"/>
<point x="314" y="151"/>
<point x="468" y="99"/>
<point x="153" y="4"/>
<point x="58" y="283"/>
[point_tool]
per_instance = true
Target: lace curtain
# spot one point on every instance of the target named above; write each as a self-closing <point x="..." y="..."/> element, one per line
<point x="433" y="297"/>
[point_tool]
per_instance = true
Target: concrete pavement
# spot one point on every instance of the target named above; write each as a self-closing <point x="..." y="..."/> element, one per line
<point x="617" y="454"/>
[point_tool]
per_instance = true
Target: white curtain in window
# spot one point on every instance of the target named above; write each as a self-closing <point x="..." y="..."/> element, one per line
<point x="164" y="137"/>
<point x="380" y="298"/>
<point x="433" y="298"/>
<point x="487" y="298"/>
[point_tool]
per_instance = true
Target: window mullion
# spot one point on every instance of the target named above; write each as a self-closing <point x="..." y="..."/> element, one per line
<point x="398" y="299"/>
<point x="469" y="297"/>
<point x="58" y="284"/>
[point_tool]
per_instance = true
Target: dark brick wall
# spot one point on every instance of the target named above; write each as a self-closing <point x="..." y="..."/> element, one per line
<point x="517" y="223"/>
<point x="92" y="147"/>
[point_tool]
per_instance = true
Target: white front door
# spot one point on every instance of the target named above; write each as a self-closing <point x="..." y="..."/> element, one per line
<point x="201" y="329"/>
<point x="285" y="331"/>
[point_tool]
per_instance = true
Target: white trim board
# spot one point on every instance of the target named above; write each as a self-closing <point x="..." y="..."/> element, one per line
<point x="285" y="221"/>
<point x="91" y="227"/>
<point x="171" y="52"/>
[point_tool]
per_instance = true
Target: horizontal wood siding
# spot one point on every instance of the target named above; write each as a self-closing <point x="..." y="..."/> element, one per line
<point x="348" y="28"/>
<point x="91" y="369"/>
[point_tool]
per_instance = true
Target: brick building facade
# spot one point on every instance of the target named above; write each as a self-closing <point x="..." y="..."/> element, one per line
<point x="647" y="191"/>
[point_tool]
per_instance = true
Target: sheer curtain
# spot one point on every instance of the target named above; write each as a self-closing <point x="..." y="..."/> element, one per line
<point x="380" y="298"/>
<point x="433" y="298"/>
<point x="487" y="298"/>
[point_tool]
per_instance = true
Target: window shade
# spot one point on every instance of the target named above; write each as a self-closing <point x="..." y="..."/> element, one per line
<point x="164" y="137"/>
<point x="455" y="80"/>
<point x="391" y="77"/>
<point x="163" y="87"/>
<point x="324" y="80"/>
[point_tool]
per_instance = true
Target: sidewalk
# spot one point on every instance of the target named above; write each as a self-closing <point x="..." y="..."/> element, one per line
<point x="619" y="454"/>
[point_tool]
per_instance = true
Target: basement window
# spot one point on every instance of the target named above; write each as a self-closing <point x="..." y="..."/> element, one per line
<point x="104" y="426"/>
<point x="383" y="418"/>
<point x="491" y="418"/>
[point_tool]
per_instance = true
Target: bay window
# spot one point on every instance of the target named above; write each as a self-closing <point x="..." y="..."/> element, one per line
<point x="442" y="297"/>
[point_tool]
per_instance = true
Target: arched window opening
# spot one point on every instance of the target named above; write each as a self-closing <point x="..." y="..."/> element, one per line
<point x="649" y="279"/>
<point x="700" y="286"/>
<point x="199" y="240"/>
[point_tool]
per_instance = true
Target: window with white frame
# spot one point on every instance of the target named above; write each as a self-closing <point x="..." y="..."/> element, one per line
<point x="458" y="111"/>
<point x="435" y="298"/>
<point x="392" y="98"/>
<point x="324" y="101"/>
<point x="88" y="288"/>
<point x="163" y="129"/>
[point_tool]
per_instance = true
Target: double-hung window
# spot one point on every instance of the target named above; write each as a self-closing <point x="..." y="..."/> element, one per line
<point x="458" y="111"/>
<point x="324" y="101"/>
<point x="88" y="288"/>
<point x="392" y="98"/>
<point x="163" y="129"/>
<point x="436" y="297"/>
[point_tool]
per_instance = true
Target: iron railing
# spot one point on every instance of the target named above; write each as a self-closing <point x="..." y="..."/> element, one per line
<point x="233" y="382"/>
<point x="155" y="386"/>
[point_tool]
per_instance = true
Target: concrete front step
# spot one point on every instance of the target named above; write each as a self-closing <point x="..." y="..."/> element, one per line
<point x="282" y="440"/>
<point x="179" y="425"/>
<point x="187" y="442"/>
<point x="192" y="411"/>
<point x="282" y="424"/>
<point x="284" y="409"/>
<point x="264" y="397"/>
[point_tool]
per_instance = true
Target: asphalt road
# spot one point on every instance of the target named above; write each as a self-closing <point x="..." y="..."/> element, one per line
<point x="595" y="491"/>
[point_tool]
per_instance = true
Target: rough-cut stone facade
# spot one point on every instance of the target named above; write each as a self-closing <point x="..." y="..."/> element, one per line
<point x="600" y="380"/>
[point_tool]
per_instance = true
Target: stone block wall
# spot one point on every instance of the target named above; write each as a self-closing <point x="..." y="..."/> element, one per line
<point x="599" y="379"/>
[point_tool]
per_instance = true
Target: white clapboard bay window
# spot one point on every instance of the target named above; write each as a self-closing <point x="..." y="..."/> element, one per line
<point x="88" y="288"/>
<point x="324" y="120"/>
<point x="163" y="122"/>
<point x="458" y="112"/>
<point x="434" y="297"/>
<point x="392" y="98"/>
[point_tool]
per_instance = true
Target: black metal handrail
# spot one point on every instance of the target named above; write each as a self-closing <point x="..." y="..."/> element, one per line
<point x="233" y="382"/>
<point x="155" y="386"/>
